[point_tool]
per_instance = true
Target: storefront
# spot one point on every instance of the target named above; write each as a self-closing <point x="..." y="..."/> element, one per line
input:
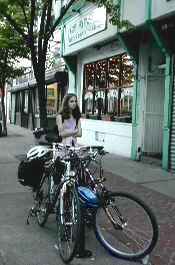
<point x="125" y="104"/>
<point x="102" y="76"/>
<point x="25" y="102"/>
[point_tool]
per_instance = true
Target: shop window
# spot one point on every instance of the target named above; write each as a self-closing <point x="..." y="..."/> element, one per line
<point x="108" y="89"/>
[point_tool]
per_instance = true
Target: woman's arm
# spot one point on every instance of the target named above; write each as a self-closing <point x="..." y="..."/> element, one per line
<point x="79" y="132"/>
<point x="62" y="132"/>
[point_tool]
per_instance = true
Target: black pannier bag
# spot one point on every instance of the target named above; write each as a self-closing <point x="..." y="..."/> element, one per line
<point x="30" y="172"/>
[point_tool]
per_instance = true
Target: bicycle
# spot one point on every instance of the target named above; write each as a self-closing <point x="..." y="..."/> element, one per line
<point x="110" y="213"/>
<point x="117" y="217"/>
<point x="58" y="192"/>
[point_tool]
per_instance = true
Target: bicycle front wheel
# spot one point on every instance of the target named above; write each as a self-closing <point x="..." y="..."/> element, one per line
<point x="42" y="198"/>
<point x="126" y="227"/>
<point x="68" y="223"/>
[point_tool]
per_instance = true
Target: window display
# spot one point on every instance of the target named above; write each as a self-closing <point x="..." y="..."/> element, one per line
<point x="108" y="88"/>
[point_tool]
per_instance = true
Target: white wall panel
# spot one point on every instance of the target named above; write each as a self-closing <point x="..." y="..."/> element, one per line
<point x="162" y="7"/>
<point x="114" y="136"/>
<point x="134" y="11"/>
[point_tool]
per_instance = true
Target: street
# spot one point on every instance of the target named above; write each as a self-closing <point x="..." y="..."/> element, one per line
<point x="22" y="244"/>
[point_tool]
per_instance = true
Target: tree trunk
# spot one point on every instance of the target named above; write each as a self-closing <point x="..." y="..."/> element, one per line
<point x="4" y="124"/>
<point x="42" y="95"/>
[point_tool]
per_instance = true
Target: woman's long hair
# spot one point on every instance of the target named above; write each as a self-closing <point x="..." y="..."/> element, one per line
<point x="65" y="110"/>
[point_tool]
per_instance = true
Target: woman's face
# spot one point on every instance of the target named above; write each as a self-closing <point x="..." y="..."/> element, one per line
<point x="72" y="103"/>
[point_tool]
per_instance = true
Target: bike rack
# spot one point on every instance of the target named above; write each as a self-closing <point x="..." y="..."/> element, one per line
<point x="146" y="260"/>
<point x="82" y="252"/>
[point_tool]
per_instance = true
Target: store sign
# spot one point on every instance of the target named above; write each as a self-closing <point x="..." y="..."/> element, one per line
<point x="85" y="25"/>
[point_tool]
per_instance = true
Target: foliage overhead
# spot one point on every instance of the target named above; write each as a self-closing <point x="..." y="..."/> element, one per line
<point x="33" y="21"/>
<point x="11" y="51"/>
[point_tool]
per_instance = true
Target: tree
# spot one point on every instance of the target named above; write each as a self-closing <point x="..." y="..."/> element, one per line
<point x="11" y="50"/>
<point x="33" y="22"/>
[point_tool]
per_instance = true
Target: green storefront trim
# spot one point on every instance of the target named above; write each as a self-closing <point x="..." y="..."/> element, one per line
<point x="135" y="117"/>
<point x="135" y="112"/>
<point x="168" y="85"/>
<point x="167" y="110"/>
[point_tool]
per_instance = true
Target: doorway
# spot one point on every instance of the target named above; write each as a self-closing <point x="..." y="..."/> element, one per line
<point x="154" y="115"/>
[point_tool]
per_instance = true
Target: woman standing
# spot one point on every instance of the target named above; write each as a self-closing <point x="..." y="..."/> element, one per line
<point x="68" y="120"/>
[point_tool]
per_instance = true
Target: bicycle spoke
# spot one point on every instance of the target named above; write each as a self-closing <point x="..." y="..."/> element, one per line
<point x="126" y="227"/>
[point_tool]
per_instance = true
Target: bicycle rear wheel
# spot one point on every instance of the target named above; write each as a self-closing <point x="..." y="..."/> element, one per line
<point x="126" y="227"/>
<point x="68" y="223"/>
<point x="43" y="205"/>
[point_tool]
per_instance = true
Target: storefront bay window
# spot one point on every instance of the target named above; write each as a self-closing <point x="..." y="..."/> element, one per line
<point x="108" y="89"/>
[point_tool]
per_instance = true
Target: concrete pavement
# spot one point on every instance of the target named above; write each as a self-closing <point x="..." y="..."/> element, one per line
<point x="21" y="245"/>
<point x="147" y="172"/>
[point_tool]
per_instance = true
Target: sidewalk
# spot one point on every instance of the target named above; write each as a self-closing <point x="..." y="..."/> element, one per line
<point x="152" y="184"/>
<point x="147" y="173"/>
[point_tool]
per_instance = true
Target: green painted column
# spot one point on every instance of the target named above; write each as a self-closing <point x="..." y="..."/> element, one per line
<point x="71" y="62"/>
<point x="136" y="95"/>
<point x="161" y="43"/>
<point x="167" y="111"/>
<point x="135" y="116"/>
<point x="133" y="53"/>
<point x="148" y="9"/>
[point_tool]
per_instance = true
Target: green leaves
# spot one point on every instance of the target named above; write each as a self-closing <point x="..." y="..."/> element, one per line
<point x="12" y="49"/>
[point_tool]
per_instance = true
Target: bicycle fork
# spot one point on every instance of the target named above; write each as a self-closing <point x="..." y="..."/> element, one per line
<point x="120" y="223"/>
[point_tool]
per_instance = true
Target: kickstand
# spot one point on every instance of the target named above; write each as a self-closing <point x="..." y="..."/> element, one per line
<point x="146" y="260"/>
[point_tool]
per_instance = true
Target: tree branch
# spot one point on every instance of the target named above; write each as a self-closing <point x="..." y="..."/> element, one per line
<point x="21" y="4"/>
<point x="63" y="12"/>
<point x="41" y="31"/>
<point x="31" y="40"/>
<point x="14" y="24"/>
<point x="32" y="16"/>
<point x="47" y="26"/>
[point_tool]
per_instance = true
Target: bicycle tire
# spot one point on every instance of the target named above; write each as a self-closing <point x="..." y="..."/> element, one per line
<point x="43" y="208"/>
<point x="68" y="216"/>
<point x="112" y="235"/>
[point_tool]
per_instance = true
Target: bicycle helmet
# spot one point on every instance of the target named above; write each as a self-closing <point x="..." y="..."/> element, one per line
<point x="37" y="152"/>
<point x="87" y="197"/>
